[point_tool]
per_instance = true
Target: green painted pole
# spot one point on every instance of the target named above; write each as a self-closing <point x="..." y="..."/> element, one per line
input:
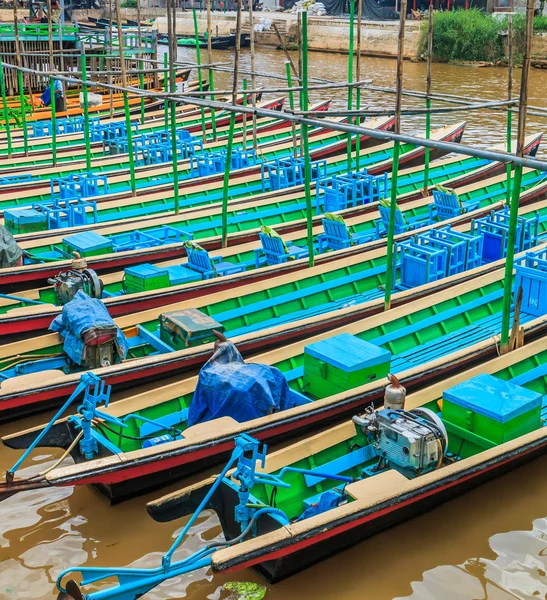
<point x="513" y="211"/>
<point x="350" y="77"/>
<point x="23" y="113"/>
<point x="226" y="181"/>
<point x="166" y="89"/>
<point x="305" y="141"/>
<point x="244" y="141"/>
<point x="428" y="99"/>
<point x="390" y="254"/>
<point x="130" y="152"/>
<point x="198" y="61"/>
<point x="291" y="105"/>
<point x="6" y="112"/>
<point x="141" y="83"/>
<point x="173" y="85"/>
<point x="86" y="112"/>
<point x="53" y="121"/>
<point x="509" y="97"/>
<point x="229" y="147"/>
<point x="211" y="72"/>
<point x="358" y="92"/>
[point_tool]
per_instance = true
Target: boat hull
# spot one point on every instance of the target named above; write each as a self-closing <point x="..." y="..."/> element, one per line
<point x="286" y="558"/>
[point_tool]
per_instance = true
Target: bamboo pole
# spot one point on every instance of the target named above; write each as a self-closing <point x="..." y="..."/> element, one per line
<point x="166" y="83"/>
<point x="395" y="164"/>
<point x="513" y="212"/>
<point x="231" y="131"/>
<point x="52" y="87"/>
<point x="284" y="48"/>
<point x="5" y="111"/>
<point x="20" y="77"/>
<point x="110" y="52"/>
<point x="171" y="25"/>
<point x="85" y="95"/>
<point x="198" y="61"/>
<point x="350" y="79"/>
<point x="509" y="97"/>
<point x="141" y="74"/>
<point x="427" y="97"/>
<point x="291" y="105"/>
<point x="130" y="152"/>
<point x="244" y="132"/>
<point x="305" y="141"/>
<point x="358" y="77"/>
<point x="253" y="76"/>
<point x="211" y="71"/>
<point x="299" y="37"/>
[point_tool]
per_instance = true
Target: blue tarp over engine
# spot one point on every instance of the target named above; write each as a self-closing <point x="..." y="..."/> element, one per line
<point x="228" y="387"/>
<point x="78" y="315"/>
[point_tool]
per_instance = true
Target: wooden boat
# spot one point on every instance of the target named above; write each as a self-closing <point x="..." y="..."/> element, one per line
<point x="427" y="342"/>
<point x="18" y="316"/>
<point x="294" y="306"/>
<point x="377" y="500"/>
<point x="40" y="145"/>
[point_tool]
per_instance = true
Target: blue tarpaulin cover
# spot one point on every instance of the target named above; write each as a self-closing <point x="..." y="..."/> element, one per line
<point x="78" y="315"/>
<point x="228" y="387"/>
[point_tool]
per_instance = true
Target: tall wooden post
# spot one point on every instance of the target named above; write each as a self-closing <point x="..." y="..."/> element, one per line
<point x="171" y="34"/>
<point x="350" y="79"/>
<point x="513" y="212"/>
<point x="225" y="187"/>
<point x="253" y="64"/>
<point x="198" y="61"/>
<point x="358" y="76"/>
<point x="305" y="141"/>
<point x="427" y="97"/>
<point x="130" y="152"/>
<point x="52" y="86"/>
<point x="211" y="72"/>
<point x="20" y="77"/>
<point x="509" y="97"/>
<point x="395" y="165"/>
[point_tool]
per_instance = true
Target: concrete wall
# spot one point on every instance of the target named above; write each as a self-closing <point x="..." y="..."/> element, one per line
<point x="328" y="34"/>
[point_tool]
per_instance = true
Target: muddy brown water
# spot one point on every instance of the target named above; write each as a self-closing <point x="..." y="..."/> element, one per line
<point x="488" y="544"/>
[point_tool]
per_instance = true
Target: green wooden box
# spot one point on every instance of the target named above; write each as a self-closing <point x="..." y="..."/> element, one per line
<point x="487" y="411"/>
<point x="144" y="278"/>
<point x="25" y="220"/>
<point x="189" y="327"/>
<point x="342" y="363"/>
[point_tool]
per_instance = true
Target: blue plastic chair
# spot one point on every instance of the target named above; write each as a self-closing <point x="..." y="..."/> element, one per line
<point x="402" y="225"/>
<point x="338" y="236"/>
<point x="275" y="251"/>
<point x="447" y="206"/>
<point x="210" y="266"/>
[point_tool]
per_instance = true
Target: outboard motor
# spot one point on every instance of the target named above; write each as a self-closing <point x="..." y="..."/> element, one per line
<point x="101" y="348"/>
<point x="67" y="283"/>
<point x="410" y="441"/>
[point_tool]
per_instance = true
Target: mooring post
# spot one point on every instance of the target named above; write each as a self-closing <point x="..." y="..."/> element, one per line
<point x="198" y="61"/>
<point x="85" y="94"/>
<point x="350" y="79"/>
<point x="395" y="164"/>
<point x="131" y="154"/>
<point x="513" y="211"/>
<point x="358" y="91"/>
<point x="428" y="98"/>
<point x="253" y="76"/>
<point x="5" y="111"/>
<point x="20" y="78"/>
<point x="305" y="141"/>
<point x="509" y="97"/>
<point x="211" y="71"/>
<point x="244" y="140"/>
<point x="291" y="105"/>
<point x="172" y="49"/>
<point x="52" y="87"/>
<point x="225" y="187"/>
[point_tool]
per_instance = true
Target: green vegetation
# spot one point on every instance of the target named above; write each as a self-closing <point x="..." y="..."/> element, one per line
<point x="129" y="4"/>
<point x="472" y="35"/>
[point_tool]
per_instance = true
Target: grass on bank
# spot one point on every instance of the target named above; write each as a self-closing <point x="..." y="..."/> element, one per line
<point x="472" y="35"/>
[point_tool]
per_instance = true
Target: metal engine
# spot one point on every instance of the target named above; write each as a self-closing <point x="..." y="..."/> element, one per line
<point x="413" y="441"/>
<point x="67" y="284"/>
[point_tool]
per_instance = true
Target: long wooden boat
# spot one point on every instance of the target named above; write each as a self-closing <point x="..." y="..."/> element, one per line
<point x="18" y="316"/>
<point x="294" y="306"/>
<point x="426" y="342"/>
<point x="39" y="167"/>
<point x="375" y="500"/>
<point x="41" y="145"/>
